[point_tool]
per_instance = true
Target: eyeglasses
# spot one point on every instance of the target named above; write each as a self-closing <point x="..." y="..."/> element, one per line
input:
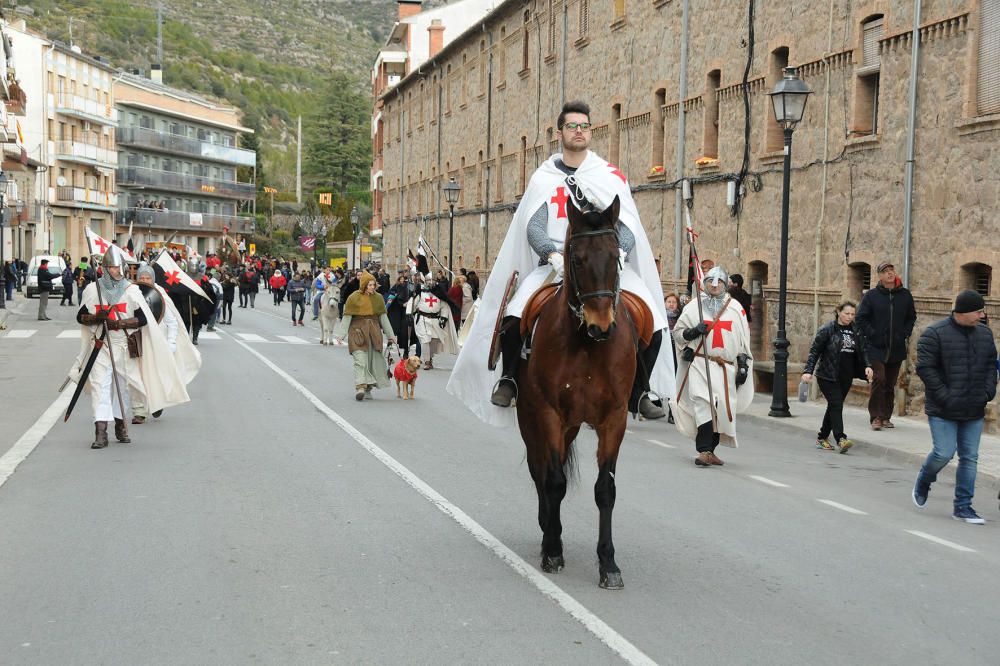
<point x="572" y="127"/>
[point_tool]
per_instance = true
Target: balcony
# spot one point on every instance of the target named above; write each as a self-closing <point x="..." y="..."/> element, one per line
<point x="175" y="144"/>
<point x="83" y="108"/>
<point x="84" y="153"/>
<point x="84" y="197"/>
<point x="176" y="220"/>
<point x="171" y="181"/>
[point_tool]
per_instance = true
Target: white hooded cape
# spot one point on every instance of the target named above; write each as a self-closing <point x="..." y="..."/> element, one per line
<point x="186" y="356"/>
<point x="471" y="381"/>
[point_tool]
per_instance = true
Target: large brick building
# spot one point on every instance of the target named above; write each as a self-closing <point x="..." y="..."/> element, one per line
<point x="482" y="110"/>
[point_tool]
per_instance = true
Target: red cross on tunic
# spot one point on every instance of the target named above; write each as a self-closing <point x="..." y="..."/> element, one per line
<point x="113" y="310"/>
<point x="431" y="301"/>
<point x="717" y="329"/>
<point x="560" y="200"/>
<point x="615" y="171"/>
<point x="173" y="277"/>
<point x="102" y="244"/>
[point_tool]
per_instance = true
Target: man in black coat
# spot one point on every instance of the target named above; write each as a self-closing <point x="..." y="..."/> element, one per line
<point x="886" y="316"/>
<point x="739" y="294"/>
<point x="44" y="289"/>
<point x="957" y="361"/>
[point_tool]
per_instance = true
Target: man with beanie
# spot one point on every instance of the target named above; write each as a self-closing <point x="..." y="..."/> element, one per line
<point x="886" y="316"/>
<point x="957" y="361"/>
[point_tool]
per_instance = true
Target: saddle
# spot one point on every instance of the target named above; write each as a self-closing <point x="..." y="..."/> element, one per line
<point x="634" y="307"/>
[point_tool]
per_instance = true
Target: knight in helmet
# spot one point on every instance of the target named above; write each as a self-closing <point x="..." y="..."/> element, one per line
<point x="111" y="314"/>
<point x="715" y="367"/>
<point x="432" y="321"/>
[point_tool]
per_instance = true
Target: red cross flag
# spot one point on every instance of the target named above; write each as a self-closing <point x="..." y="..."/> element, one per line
<point x="96" y="244"/>
<point x="174" y="272"/>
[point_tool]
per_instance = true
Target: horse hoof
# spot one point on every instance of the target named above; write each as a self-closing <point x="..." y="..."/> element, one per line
<point x="611" y="581"/>
<point x="553" y="564"/>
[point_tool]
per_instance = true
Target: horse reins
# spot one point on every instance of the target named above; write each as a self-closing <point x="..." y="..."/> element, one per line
<point x="614" y="294"/>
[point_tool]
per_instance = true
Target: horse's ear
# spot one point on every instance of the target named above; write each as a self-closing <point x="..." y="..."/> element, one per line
<point x="612" y="211"/>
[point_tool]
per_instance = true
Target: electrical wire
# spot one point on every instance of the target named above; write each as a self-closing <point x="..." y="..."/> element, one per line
<point x="745" y="87"/>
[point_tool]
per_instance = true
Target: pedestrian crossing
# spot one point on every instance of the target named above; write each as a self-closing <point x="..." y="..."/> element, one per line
<point x="21" y="334"/>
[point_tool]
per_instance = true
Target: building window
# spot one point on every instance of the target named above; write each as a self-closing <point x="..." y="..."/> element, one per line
<point x="711" y="130"/>
<point x="523" y="176"/>
<point x="978" y="277"/>
<point x="448" y="84"/>
<point x="584" y="17"/>
<point x="421" y="102"/>
<point x="615" y="148"/>
<point x="482" y="67"/>
<point x="774" y="139"/>
<point x="552" y="26"/>
<point x="859" y="280"/>
<point x="619" y="9"/>
<point x="465" y="79"/>
<point x="502" y="57"/>
<point x="524" y="42"/>
<point x="867" y="81"/>
<point x="499" y="163"/>
<point x="659" y="101"/>
<point x="988" y="82"/>
<point x="479" y="179"/>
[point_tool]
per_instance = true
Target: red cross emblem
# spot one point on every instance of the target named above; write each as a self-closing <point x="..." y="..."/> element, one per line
<point x="431" y="301"/>
<point x="102" y="244"/>
<point x="173" y="277"/>
<point x="112" y="310"/>
<point x="717" y="329"/>
<point x="560" y="200"/>
<point x="615" y="171"/>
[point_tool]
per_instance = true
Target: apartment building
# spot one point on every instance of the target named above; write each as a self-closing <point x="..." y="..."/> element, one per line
<point x="177" y="165"/>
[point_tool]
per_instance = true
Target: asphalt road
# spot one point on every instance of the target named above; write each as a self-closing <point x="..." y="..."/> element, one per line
<point x="276" y="520"/>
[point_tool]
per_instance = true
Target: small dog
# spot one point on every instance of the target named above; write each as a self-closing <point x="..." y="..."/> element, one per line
<point x="405" y="374"/>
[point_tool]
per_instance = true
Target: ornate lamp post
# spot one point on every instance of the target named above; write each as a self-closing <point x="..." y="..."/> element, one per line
<point x="451" y="191"/>
<point x="355" y="222"/>
<point x="48" y="219"/>
<point x="318" y="230"/>
<point x="789" y="101"/>
<point x="3" y="215"/>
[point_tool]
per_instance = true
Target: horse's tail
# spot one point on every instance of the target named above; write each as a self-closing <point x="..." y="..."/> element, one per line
<point x="570" y="469"/>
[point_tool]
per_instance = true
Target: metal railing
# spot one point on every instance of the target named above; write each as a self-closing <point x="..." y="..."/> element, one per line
<point x="67" y="103"/>
<point x="171" y="181"/>
<point x="151" y="218"/>
<point x="86" y="195"/>
<point x="142" y="137"/>
<point x="78" y="150"/>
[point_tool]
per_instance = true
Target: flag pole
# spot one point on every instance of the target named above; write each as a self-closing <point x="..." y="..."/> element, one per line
<point x="701" y="314"/>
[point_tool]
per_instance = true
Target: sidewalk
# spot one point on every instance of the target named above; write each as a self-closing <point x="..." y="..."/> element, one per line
<point x="909" y="442"/>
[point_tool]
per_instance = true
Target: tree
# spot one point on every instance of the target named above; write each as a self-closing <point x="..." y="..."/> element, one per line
<point x="337" y="141"/>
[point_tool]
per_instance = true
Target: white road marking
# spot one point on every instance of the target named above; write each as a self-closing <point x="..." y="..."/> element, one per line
<point x="21" y="333"/>
<point x="294" y="339"/>
<point x="71" y="333"/>
<point x="251" y="337"/>
<point x="629" y="432"/>
<point x="763" y="479"/>
<point x="32" y="436"/>
<point x="659" y="443"/>
<point x="843" y="507"/>
<point x="209" y="336"/>
<point x="939" y="540"/>
<point x="607" y="635"/>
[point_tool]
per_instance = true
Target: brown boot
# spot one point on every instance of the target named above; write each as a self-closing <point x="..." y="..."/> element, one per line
<point x="359" y="392"/>
<point x="121" y="431"/>
<point x="714" y="459"/>
<point x="100" y="435"/>
<point x="703" y="459"/>
<point x="138" y="420"/>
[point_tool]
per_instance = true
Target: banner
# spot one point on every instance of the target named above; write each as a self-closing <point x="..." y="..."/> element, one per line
<point x="307" y="243"/>
<point x="195" y="219"/>
<point x="253" y="249"/>
<point x="174" y="275"/>
<point x="98" y="245"/>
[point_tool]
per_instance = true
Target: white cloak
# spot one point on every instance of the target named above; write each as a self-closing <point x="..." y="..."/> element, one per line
<point x="186" y="355"/>
<point x="726" y="340"/>
<point x="154" y="374"/>
<point x="428" y="329"/>
<point x="471" y="381"/>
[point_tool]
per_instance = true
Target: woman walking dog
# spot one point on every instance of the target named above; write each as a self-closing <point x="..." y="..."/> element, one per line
<point x="837" y="356"/>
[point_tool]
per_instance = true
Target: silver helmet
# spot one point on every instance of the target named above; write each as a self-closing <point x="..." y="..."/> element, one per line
<point x="112" y="257"/>
<point x="716" y="275"/>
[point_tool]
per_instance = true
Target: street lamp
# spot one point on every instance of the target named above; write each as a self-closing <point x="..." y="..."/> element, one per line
<point x="789" y="101"/>
<point x="355" y="221"/>
<point x="19" y="207"/>
<point x="451" y="192"/>
<point x="317" y="230"/>
<point x="3" y="215"/>
<point x="48" y="218"/>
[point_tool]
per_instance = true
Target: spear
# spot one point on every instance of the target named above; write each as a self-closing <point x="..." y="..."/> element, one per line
<point x="696" y="266"/>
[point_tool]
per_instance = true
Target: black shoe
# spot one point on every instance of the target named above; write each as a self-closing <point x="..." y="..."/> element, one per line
<point x="650" y="411"/>
<point x="505" y="393"/>
<point x="157" y="413"/>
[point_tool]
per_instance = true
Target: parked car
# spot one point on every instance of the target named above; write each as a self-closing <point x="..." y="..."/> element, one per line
<point x="56" y="266"/>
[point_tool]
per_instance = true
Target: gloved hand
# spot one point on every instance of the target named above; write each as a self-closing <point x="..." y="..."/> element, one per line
<point x="687" y="355"/>
<point x="622" y="258"/>
<point x="696" y="331"/>
<point x="557" y="263"/>
<point x="742" y="369"/>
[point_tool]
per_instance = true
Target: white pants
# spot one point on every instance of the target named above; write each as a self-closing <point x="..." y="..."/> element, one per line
<point x="104" y="396"/>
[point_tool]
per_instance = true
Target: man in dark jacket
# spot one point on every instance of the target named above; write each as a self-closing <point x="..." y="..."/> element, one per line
<point x="886" y="316"/>
<point x="957" y="361"/>
<point x="44" y="289"/>
<point x="739" y="294"/>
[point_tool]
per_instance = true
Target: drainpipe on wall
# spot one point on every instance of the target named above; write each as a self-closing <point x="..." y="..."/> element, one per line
<point x="562" y="58"/>
<point x="402" y="164"/>
<point x="682" y="93"/>
<point x="489" y="144"/>
<point x="910" y="136"/>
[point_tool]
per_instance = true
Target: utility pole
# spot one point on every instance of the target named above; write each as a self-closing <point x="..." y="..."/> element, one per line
<point x="159" y="33"/>
<point x="298" y="166"/>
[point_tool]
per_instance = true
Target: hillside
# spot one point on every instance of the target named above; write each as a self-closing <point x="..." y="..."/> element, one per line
<point x="271" y="58"/>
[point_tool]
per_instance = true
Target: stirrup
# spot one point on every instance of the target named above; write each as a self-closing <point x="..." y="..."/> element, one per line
<point x="496" y="387"/>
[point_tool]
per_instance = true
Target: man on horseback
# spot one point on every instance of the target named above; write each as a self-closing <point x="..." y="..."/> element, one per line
<point x="534" y="249"/>
<point x="715" y="367"/>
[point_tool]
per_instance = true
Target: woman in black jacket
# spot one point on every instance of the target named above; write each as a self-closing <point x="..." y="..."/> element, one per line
<point x="837" y="356"/>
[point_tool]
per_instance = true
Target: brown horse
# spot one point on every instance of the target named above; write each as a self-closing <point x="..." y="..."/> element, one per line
<point x="580" y="371"/>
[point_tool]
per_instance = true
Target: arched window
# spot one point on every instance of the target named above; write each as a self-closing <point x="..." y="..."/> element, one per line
<point x="479" y="179"/>
<point x="522" y="180"/>
<point x="978" y="277"/>
<point x="859" y="280"/>
<point x="524" y="41"/>
<point x="988" y="81"/>
<point x="659" y="101"/>
<point x="584" y="17"/>
<point x="502" y="56"/>
<point x="774" y="137"/>
<point x="710" y="147"/>
<point x="448" y="84"/>
<point x="615" y="149"/>
<point x="867" y="80"/>
<point x="482" y="66"/>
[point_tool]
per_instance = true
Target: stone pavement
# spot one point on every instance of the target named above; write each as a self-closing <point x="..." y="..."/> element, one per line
<point x="909" y="442"/>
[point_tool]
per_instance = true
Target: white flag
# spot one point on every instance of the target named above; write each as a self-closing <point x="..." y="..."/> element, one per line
<point x="175" y="275"/>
